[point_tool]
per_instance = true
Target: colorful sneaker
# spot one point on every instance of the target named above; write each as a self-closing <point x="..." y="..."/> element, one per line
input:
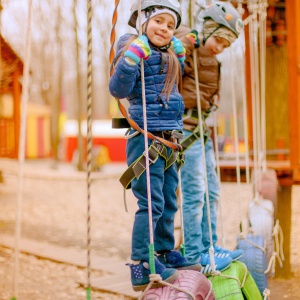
<point x="222" y="263"/>
<point x="221" y="252"/>
<point x="173" y="259"/>
<point x="140" y="275"/>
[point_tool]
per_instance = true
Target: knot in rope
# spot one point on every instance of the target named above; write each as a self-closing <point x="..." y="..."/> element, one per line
<point x="266" y="294"/>
<point x="216" y="273"/>
<point x="242" y="236"/>
<point x="255" y="245"/>
<point x="155" y="277"/>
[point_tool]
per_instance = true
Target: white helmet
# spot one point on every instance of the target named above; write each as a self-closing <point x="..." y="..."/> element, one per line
<point x="224" y="14"/>
<point x="173" y="5"/>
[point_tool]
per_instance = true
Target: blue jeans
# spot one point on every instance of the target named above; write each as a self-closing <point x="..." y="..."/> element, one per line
<point x="196" y="230"/>
<point x="163" y="184"/>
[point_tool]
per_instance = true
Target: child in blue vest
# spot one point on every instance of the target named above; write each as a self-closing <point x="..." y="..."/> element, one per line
<point x="163" y="57"/>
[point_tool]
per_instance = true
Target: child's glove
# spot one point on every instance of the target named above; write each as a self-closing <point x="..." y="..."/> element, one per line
<point x="138" y="49"/>
<point x="193" y="37"/>
<point x="178" y="49"/>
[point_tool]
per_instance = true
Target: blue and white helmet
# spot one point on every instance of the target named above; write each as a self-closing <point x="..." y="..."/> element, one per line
<point x="173" y="5"/>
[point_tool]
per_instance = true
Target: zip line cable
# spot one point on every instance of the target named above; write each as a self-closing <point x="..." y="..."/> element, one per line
<point x="89" y="142"/>
<point x="24" y="102"/>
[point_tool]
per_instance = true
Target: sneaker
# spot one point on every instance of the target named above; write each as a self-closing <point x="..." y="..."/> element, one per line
<point x="221" y="252"/>
<point x="140" y="275"/>
<point x="173" y="259"/>
<point x="221" y="263"/>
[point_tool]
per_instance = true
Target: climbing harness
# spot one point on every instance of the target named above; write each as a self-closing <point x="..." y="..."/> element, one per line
<point x="156" y="150"/>
<point x="195" y="130"/>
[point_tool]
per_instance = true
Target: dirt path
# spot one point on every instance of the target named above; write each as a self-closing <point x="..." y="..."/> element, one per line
<point x="54" y="210"/>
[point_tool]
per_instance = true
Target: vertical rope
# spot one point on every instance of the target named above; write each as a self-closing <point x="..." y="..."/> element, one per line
<point x="215" y="119"/>
<point x="151" y="246"/>
<point x="89" y="142"/>
<point x="236" y="141"/>
<point x="200" y="124"/>
<point x="180" y="196"/>
<point x="262" y="44"/>
<point x="24" y="102"/>
<point x="245" y="118"/>
<point x="113" y="36"/>
<point x="253" y="49"/>
<point x="257" y="112"/>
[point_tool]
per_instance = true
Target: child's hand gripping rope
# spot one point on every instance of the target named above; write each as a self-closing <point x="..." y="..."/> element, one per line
<point x="178" y="49"/>
<point x="138" y="49"/>
<point x="193" y="37"/>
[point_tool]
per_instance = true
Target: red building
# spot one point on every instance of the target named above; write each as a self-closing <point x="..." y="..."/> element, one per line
<point x="11" y="67"/>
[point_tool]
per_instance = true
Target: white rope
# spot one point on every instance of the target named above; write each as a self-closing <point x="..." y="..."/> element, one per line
<point x="236" y="142"/>
<point x="180" y="196"/>
<point x="243" y="237"/>
<point x="241" y="284"/>
<point x="253" y="57"/>
<point x="215" y="118"/>
<point x="146" y="153"/>
<point x="24" y="101"/>
<point x="245" y="118"/>
<point x="278" y="249"/>
<point x="262" y="28"/>
<point x="200" y="124"/>
<point x="266" y="294"/>
<point x="209" y="292"/>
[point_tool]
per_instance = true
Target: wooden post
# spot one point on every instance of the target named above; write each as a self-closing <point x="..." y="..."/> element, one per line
<point x="293" y="43"/>
<point x="284" y="215"/>
<point x="17" y="101"/>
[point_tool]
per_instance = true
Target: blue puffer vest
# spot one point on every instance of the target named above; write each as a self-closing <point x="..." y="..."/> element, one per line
<point x="126" y="83"/>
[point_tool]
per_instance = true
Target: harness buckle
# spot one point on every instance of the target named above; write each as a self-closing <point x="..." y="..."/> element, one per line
<point x="176" y="135"/>
<point x="154" y="150"/>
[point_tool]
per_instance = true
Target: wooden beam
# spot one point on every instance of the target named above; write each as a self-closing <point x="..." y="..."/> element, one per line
<point x="293" y="43"/>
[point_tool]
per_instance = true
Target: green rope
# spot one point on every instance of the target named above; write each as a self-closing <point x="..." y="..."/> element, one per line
<point x="151" y="259"/>
<point x="182" y="249"/>
<point x="88" y="293"/>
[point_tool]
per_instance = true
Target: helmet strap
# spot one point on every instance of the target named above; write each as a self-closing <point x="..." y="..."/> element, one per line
<point x="164" y="48"/>
<point x="206" y="38"/>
